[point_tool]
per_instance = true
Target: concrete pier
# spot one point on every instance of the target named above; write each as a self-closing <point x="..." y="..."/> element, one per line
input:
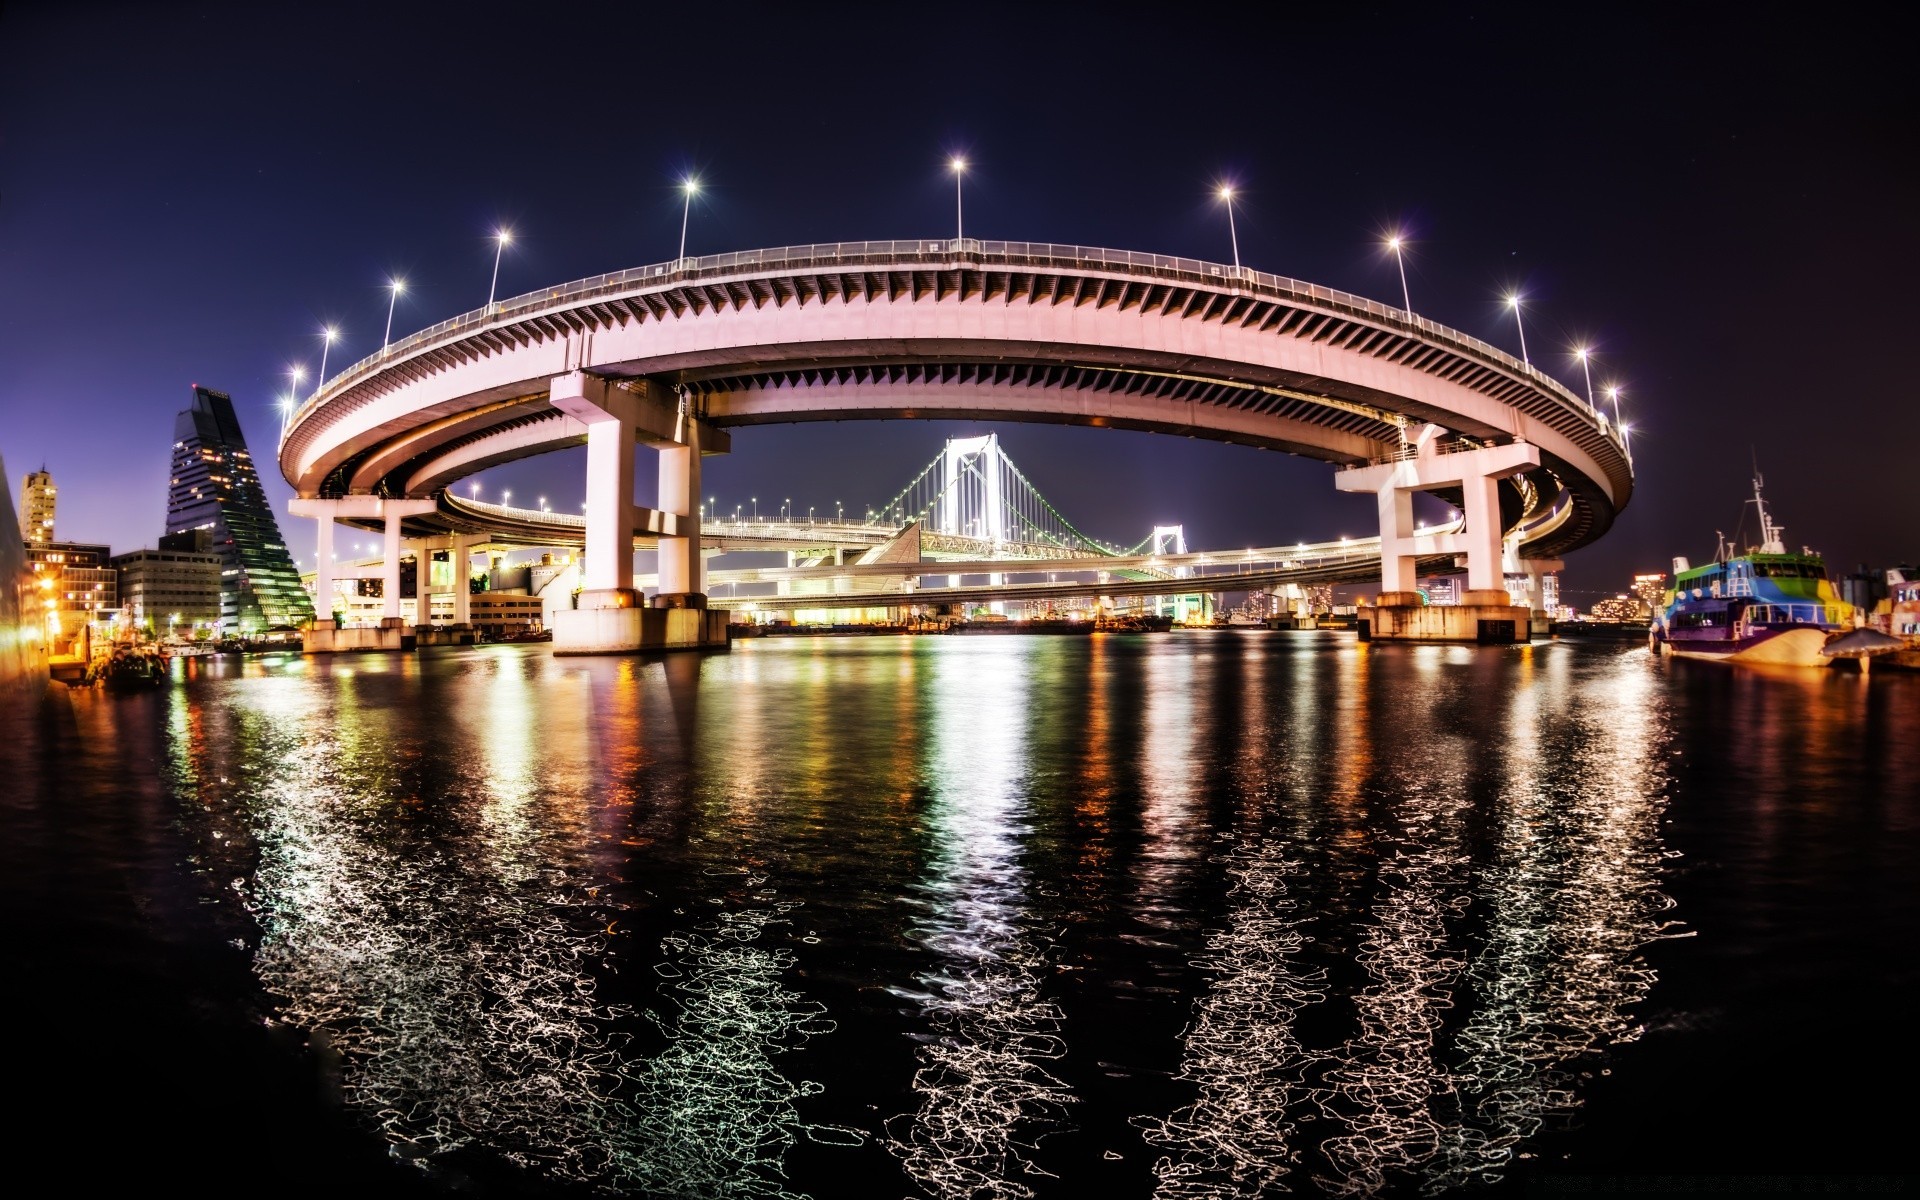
<point x="610" y="617"/>
<point x="1486" y="614"/>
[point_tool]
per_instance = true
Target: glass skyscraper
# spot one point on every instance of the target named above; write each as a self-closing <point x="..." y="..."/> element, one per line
<point x="216" y="488"/>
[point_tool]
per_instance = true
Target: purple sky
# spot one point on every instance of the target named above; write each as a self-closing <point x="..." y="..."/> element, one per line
<point x="1725" y="210"/>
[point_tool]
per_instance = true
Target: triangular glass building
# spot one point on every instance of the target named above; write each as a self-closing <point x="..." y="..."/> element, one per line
<point x="216" y="488"/>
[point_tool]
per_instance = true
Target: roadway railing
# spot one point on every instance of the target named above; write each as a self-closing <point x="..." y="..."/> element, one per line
<point x="945" y="253"/>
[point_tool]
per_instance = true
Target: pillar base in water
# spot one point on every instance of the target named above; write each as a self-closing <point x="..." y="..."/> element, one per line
<point x="1489" y="617"/>
<point x="637" y="630"/>
<point x="327" y="637"/>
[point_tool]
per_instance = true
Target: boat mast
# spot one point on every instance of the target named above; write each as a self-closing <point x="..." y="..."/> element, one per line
<point x="1771" y="536"/>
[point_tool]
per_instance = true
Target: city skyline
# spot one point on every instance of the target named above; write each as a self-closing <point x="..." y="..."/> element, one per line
<point x="256" y="250"/>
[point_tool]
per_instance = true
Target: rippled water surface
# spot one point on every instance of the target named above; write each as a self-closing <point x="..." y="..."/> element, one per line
<point x="1178" y="915"/>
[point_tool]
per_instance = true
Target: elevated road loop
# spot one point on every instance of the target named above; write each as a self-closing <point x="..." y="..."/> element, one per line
<point x="677" y="355"/>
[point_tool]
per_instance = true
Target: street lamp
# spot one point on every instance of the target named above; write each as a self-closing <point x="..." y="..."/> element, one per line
<point x="1394" y="243"/>
<point x="786" y="506"/>
<point x="506" y="498"/>
<point x="328" y="334"/>
<point x="755" y="500"/>
<point x="1513" y="302"/>
<point x="809" y="514"/>
<point x="395" y="286"/>
<point x="1613" y="394"/>
<point x="502" y="238"/>
<point x="1586" y="369"/>
<point x="1226" y="196"/>
<point x="474" y="488"/>
<point x="690" y="186"/>
<point x="839" y="511"/>
<point x="958" y="166"/>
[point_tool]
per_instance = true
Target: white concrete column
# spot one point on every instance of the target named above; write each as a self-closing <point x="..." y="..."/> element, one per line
<point x="390" y="568"/>
<point x="462" y="579"/>
<point x="609" y="414"/>
<point x="609" y="540"/>
<point x="681" y="569"/>
<point x="1483" y="533"/>
<point x="1397" y="573"/>
<point x="323" y="600"/>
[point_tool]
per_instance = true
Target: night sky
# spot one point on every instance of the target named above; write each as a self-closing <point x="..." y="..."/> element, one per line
<point x="1725" y="208"/>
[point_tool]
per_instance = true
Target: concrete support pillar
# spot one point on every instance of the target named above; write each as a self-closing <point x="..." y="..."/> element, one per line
<point x="462" y="579"/>
<point x="1477" y="473"/>
<point x="391" y="512"/>
<point x="1397" y="568"/>
<point x="608" y="565"/>
<point x="390" y="568"/>
<point x="323" y="570"/>
<point x="1483" y="533"/>
<point x="609" y="619"/>
<point x="681" y="570"/>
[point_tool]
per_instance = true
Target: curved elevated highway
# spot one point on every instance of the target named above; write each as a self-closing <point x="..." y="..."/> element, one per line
<point x="677" y="354"/>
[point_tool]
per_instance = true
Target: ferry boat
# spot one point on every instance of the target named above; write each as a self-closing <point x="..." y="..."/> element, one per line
<point x="1764" y="606"/>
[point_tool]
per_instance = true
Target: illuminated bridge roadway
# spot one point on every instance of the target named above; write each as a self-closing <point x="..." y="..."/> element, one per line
<point x="677" y="355"/>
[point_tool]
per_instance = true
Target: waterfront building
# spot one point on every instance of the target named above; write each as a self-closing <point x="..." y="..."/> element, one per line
<point x="37" y="496"/>
<point x="173" y="590"/>
<point x="1651" y="591"/>
<point x="1623" y="609"/>
<point x="80" y="581"/>
<point x="215" y="487"/>
<point x="23" y="648"/>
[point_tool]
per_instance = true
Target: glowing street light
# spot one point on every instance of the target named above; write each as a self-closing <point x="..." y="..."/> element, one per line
<point x="1613" y="394"/>
<point x="691" y="187"/>
<point x="298" y="374"/>
<point x="396" y="286"/>
<point x="755" y="501"/>
<point x="839" y="511"/>
<point x="506" y="498"/>
<point x="785" y="507"/>
<point x="958" y="166"/>
<point x="502" y="238"/>
<point x="1513" y="302"/>
<point x="328" y="335"/>
<point x="474" y="488"/>
<point x="1586" y="369"/>
<point x="1394" y="243"/>
<point x="1226" y="197"/>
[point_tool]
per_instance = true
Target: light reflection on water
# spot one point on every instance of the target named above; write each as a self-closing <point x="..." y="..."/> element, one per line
<point x="986" y="1093"/>
<point x="603" y="920"/>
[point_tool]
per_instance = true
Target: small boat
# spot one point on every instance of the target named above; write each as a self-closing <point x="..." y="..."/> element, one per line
<point x="131" y="671"/>
<point x="1764" y="606"/>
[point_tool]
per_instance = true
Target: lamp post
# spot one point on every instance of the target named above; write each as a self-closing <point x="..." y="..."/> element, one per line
<point x="1226" y="195"/>
<point x="689" y="186"/>
<point x="786" y="509"/>
<point x="298" y="374"/>
<point x="1613" y="394"/>
<point x="1513" y="302"/>
<point x="1586" y="370"/>
<point x="327" y="337"/>
<point x="1406" y="300"/>
<point x="396" y="286"/>
<point x="958" y="166"/>
<point x="502" y="238"/>
<point x="755" y="501"/>
<point x="839" y="511"/>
